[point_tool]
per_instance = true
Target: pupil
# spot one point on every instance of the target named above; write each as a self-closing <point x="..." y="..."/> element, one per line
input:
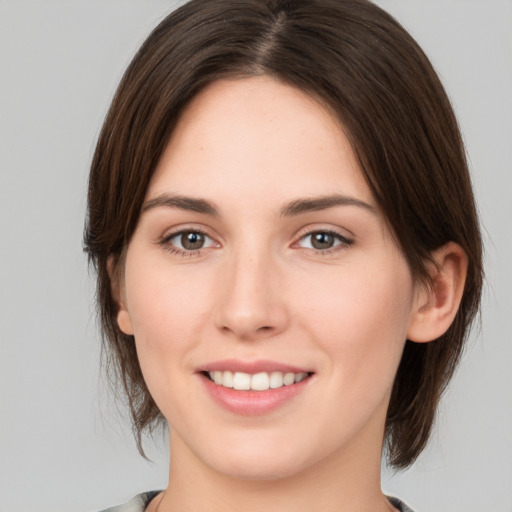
<point x="322" y="241"/>
<point x="192" y="240"/>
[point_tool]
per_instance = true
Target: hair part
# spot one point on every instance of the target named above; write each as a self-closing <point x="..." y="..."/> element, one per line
<point x="357" y="60"/>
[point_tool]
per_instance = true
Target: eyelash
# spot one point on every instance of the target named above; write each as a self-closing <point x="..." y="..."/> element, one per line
<point x="343" y="244"/>
<point x="165" y="241"/>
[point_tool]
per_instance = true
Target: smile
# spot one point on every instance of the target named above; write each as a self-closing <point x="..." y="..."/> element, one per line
<point x="261" y="381"/>
<point x="254" y="388"/>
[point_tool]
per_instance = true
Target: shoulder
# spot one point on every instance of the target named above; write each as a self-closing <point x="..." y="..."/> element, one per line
<point x="400" y="505"/>
<point x="136" y="504"/>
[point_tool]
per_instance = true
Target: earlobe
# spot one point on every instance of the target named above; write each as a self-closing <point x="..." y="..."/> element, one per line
<point x="123" y="316"/>
<point x="436" y="306"/>
<point x="124" y="321"/>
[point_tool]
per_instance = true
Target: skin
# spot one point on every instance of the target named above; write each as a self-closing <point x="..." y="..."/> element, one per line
<point x="258" y="289"/>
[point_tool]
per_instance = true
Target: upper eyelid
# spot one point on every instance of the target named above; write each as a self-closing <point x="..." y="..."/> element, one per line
<point x="174" y="234"/>
<point x="342" y="238"/>
<point x="343" y="233"/>
<point x="164" y="241"/>
<point x="319" y="228"/>
<point x="175" y="231"/>
<point x="330" y="231"/>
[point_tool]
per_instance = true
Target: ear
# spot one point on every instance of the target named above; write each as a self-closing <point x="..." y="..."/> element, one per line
<point x="436" y="305"/>
<point x="116" y="276"/>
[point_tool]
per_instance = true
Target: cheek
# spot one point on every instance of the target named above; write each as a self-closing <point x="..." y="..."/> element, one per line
<point x="167" y="311"/>
<point x="360" y="318"/>
<point x="165" y="307"/>
<point x="166" y="319"/>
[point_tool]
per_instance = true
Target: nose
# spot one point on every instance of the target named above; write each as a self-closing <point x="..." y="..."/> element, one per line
<point x="251" y="304"/>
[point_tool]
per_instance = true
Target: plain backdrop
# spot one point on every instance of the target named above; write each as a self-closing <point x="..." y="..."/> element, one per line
<point x="63" y="446"/>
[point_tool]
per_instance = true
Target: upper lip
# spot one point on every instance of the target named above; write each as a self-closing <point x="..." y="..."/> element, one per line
<point x="256" y="366"/>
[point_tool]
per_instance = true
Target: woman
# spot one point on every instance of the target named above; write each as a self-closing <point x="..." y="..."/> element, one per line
<point x="287" y="248"/>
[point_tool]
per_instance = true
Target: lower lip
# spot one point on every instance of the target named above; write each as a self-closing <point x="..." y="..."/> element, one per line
<point x="253" y="403"/>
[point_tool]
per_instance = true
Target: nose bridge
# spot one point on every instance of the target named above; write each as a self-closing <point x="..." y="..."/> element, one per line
<point x="251" y="305"/>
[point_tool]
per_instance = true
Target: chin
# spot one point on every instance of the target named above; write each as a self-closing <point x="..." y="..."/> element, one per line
<point x="260" y="461"/>
<point x="266" y="470"/>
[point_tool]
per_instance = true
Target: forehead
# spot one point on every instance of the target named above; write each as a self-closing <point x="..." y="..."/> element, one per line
<point x="247" y="137"/>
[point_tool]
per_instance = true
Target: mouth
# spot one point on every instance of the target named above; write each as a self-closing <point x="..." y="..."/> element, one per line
<point x="261" y="381"/>
<point x="254" y="388"/>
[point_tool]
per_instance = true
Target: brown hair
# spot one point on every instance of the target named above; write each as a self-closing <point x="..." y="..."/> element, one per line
<point x="356" y="59"/>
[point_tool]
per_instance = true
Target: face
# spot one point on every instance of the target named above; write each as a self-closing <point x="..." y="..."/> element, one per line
<point x="268" y="301"/>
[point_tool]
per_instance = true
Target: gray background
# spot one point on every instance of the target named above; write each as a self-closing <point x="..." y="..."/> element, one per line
<point x="63" y="445"/>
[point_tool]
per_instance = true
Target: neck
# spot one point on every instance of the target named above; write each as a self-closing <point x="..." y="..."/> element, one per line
<point x="340" y="482"/>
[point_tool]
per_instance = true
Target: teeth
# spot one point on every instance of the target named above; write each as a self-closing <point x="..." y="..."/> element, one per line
<point x="300" y="376"/>
<point x="227" y="379"/>
<point x="241" y="381"/>
<point x="258" y="382"/>
<point x="276" y="380"/>
<point x="289" y="378"/>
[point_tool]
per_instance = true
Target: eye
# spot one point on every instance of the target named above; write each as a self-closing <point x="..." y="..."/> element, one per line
<point x="188" y="241"/>
<point x="323" y="241"/>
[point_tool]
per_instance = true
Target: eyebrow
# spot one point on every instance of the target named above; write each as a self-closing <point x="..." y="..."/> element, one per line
<point x="186" y="203"/>
<point x="322" y="203"/>
<point x="293" y="208"/>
